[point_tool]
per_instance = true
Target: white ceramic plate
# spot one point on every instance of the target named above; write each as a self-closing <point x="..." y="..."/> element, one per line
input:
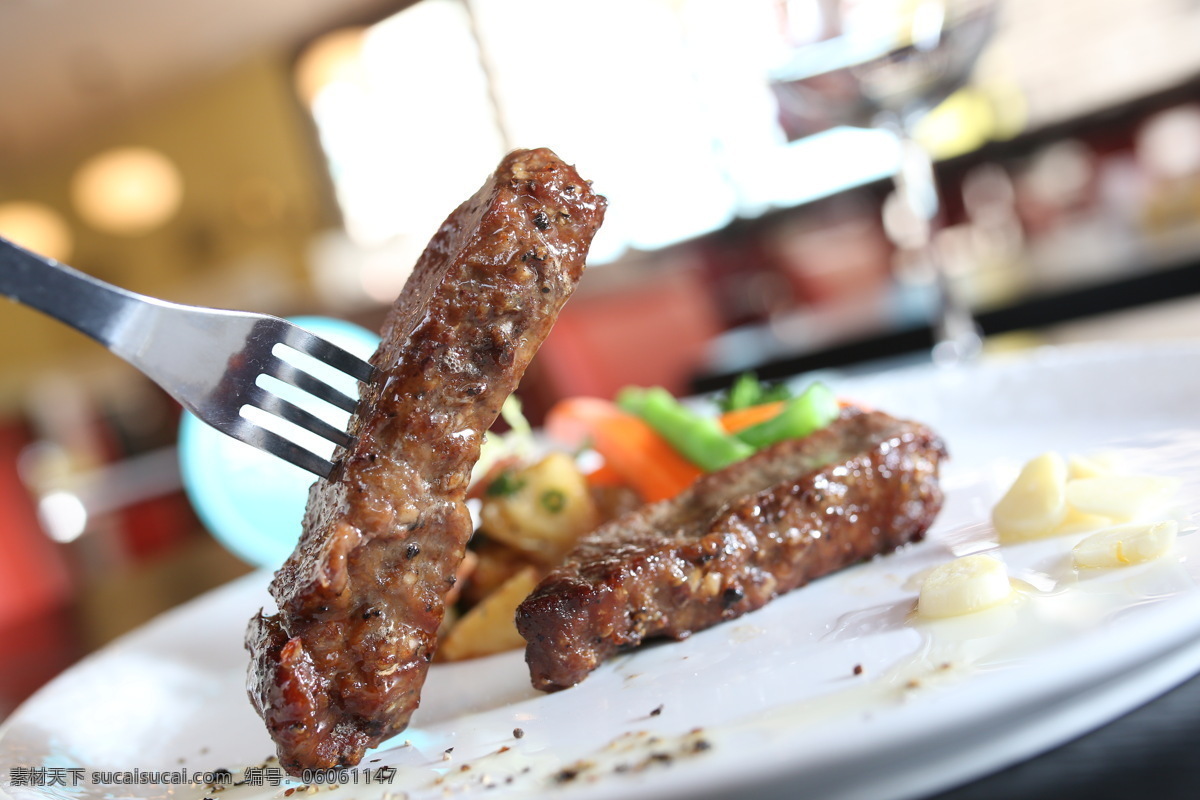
<point x="766" y="705"/>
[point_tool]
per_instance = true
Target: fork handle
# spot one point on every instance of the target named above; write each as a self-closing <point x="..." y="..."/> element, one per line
<point x="89" y="305"/>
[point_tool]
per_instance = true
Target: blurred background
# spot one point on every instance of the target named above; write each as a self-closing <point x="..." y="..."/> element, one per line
<point x="771" y="208"/>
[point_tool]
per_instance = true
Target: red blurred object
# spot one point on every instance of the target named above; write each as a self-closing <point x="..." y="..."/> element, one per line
<point x="35" y="587"/>
<point x="157" y="527"/>
<point x="832" y="260"/>
<point x="35" y="649"/>
<point x="33" y="573"/>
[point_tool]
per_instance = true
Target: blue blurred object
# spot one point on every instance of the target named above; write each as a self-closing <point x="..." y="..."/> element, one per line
<point x="253" y="503"/>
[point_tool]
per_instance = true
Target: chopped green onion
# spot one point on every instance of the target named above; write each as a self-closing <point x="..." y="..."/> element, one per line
<point x="505" y="484"/>
<point x="811" y="411"/>
<point x="697" y="438"/>
<point x="553" y="500"/>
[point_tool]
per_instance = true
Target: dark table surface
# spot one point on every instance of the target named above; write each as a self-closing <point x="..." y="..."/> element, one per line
<point x="1151" y="752"/>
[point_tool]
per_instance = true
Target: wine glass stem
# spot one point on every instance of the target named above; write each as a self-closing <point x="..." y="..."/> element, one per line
<point x="957" y="336"/>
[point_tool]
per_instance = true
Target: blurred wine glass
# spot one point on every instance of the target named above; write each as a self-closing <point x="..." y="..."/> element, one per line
<point x="886" y="64"/>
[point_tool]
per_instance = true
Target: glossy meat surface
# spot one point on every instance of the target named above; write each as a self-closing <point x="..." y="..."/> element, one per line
<point x="737" y="538"/>
<point x="339" y="668"/>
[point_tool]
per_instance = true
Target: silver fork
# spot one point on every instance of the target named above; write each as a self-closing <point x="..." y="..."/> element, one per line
<point x="207" y="359"/>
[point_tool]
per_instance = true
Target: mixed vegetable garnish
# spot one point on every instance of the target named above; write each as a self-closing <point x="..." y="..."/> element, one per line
<point x="660" y="445"/>
<point x="532" y="508"/>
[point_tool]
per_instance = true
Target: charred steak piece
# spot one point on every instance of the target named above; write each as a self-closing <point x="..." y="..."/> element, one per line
<point x="340" y="667"/>
<point x="737" y="538"/>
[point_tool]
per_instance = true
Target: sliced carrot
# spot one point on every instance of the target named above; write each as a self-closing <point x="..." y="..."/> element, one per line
<point x="628" y="445"/>
<point x="605" y="475"/>
<point x="480" y="487"/>
<point x="734" y="421"/>
<point x="742" y="418"/>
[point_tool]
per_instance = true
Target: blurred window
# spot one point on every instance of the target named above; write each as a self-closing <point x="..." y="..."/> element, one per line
<point x="664" y="104"/>
<point x="667" y="104"/>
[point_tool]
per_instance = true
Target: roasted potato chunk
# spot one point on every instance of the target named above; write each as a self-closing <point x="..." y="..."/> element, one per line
<point x="489" y="627"/>
<point x="539" y="510"/>
<point x="495" y="562"/>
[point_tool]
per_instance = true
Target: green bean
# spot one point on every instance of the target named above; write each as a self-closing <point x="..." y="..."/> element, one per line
<point x="697" y="438"/>
<point x="811" y="411"/>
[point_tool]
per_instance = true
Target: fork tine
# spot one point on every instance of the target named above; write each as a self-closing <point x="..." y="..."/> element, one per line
<point x="289" y="373"/>
<point x="246" y="431"/>
<point x="274" y="404"/>
<point x="299" y="339"/>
